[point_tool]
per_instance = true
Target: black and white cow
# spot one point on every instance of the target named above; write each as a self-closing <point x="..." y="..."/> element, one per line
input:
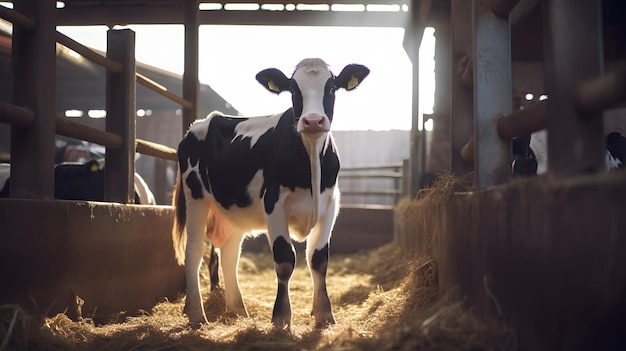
<point x="80" y="181"/>
<point x="530" y="154"/>
<point x="275" y="174"/>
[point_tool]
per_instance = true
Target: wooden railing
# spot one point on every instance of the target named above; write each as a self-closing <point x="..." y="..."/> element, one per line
<point x="388" y="192"/>
<point x="34" y="117"/>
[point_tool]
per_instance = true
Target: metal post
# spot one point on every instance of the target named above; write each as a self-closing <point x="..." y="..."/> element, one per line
<point x="573" y="54"/>
<point x="462" y="102"/>
<point x="190" y="76"/>
<point x="34" y="76"/>
<point x="413" y="34"/>
<point x="121" y="108"/>
<point x="439" y="155"/>
<point x="492" y="93"/>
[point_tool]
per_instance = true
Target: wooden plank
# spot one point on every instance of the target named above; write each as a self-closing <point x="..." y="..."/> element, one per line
<point x="121" y="108"/>
<point x="33" y="86"/>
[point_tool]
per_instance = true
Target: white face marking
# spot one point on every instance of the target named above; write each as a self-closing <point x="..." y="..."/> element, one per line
<point x="611" y="162"/>
<point x="539" y="145"/>
<point x="311" y="76"/>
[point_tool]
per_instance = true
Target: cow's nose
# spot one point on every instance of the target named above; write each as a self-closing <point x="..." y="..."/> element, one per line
<point x="315" y="123"/>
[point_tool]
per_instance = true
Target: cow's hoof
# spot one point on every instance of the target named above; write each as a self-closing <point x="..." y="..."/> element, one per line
<point x="282" y="325"/>
<point x="324" y="320"/>
<point x="195" y="320"/>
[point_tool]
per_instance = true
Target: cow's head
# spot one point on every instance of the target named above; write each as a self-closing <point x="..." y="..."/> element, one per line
<point x="312" y="88"/>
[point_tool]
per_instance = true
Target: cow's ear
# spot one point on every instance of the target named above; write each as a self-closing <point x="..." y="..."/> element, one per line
<point x="273" y="80"/>
<point x="351" y="76"/>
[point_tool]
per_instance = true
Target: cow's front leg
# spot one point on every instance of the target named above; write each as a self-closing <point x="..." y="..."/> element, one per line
<point x="317" y="259"/>
<point x="197" y="211"/>
<point x="284" y="263"/>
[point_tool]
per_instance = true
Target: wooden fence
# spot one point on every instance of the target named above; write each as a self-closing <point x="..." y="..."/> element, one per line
<point x="30" y="116"/>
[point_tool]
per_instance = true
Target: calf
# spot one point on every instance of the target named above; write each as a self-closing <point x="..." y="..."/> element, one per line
<point x="275" y="174"/>
<point x="530" y="154"/>
<point x="80" y="181"/>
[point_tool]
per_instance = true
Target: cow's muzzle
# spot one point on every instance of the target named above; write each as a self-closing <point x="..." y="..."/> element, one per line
<point x="314" y="123"/>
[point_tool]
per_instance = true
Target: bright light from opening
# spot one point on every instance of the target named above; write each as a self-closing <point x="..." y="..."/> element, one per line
<point x="405" y="7"/>
<point x="242" y="7"/>
<point x="543" y="97"/>
<point x="426" y="75"/>
<point x="529" y="97"/>
<point x="348" y="7"/>
<point x="290" y="7"/>
<point x="382" y="8"/>
<point x="210" y="6"/>
<point x="148" y="113"/>
<point x="73" y="113"/>
<point x="9" y="5"/>
<point x="429" y="124"/>
<point x="97" y="113"/>
<point x="74" y="54"/>
<point x="141" y="113"/>
<point x="179" y="112"/>
<point x="272" y="7"/>
<point x="312" y="7"/>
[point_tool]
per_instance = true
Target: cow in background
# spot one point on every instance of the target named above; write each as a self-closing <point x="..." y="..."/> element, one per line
<point x="530" y="154"/>
<point x="275" y="174"/>
<point x="80" y="181"/>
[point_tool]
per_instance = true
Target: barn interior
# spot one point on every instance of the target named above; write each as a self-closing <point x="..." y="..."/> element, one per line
<point x="542" y="254"/>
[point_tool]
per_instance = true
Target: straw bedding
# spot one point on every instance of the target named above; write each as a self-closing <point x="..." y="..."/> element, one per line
<point x="381" y="301"/>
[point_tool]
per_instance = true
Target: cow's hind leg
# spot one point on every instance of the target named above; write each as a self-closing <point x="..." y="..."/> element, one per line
<point x="197" y="211"/>
<point x="229" y="254"/>
<point x="317" y="259"/>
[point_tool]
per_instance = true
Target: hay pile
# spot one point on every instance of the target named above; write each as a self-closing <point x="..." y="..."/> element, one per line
<point x="381" y="302"/>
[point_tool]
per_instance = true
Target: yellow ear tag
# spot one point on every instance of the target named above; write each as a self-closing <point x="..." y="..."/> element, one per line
<point x="353" y="82"/>
<point x="272" y="86"/>
<point x="94" y="167"/>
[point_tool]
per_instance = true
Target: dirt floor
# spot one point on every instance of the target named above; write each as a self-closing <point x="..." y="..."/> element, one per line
<point x="381" y="301"/>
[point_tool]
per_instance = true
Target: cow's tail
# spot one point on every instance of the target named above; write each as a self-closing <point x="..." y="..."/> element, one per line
<point x="179" y="234"/>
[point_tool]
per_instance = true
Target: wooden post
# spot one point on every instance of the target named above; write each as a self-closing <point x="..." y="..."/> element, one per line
<point x="121" y="109"/>
<point x="34" y="76"/>
<point x="190" y="76"/>
<point x="573" y="54"/>
<point x="462" y="99"/>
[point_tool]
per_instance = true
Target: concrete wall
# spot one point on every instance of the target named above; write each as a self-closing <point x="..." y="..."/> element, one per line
<point x="546" y="256"/>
